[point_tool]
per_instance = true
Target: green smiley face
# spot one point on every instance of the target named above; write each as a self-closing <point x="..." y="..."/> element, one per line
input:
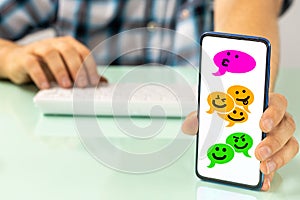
<point x="241" y="142"/>
<point x="220" y="153"/>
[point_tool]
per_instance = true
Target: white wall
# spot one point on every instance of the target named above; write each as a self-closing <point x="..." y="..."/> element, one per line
<point x="290" y="36"/>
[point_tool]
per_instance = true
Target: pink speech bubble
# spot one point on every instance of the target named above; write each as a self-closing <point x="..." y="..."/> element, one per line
<point x="233" y="61"/>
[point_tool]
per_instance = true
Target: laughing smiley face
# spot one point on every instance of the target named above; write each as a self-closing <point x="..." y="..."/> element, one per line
<point x="241" y="95"/>
<point x="220" y="102"/>
<point x="238" y="115"/>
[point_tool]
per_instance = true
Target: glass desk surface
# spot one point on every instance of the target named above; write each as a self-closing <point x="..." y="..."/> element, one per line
<point x="42" y="157"/>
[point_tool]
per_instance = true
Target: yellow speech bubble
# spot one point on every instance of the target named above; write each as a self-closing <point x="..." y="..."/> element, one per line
<point x="241" y="95"/>
<point x="220" y="102"/>
<point x="238" y="115"/>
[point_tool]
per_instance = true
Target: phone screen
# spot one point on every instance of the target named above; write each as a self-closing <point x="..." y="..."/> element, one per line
<point x="233" y="94"/>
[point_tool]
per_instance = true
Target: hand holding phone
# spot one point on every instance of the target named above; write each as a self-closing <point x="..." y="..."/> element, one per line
<point x="233" y="94"/>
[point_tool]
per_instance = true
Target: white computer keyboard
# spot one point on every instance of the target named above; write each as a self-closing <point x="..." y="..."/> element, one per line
<point x="123" y="99"/>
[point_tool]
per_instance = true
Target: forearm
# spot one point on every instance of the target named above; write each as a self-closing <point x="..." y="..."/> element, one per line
<point x="253" y="17"/>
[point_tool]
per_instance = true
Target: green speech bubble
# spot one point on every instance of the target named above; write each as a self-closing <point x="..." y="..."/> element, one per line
<point x="219" y="153"/>
<point x="241" y="142"/>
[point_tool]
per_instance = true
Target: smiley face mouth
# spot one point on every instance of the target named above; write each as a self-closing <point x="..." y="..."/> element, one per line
<point x="218" y="106"/>
<point x="225" y="62"/>
<point x="242" y="147"/>
<point x="236" y="120"/>
<point x="218" y="158"/>
<point x="245" y="100"/>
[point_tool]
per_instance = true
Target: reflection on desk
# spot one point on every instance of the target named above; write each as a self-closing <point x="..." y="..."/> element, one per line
<point x="43" y="157"/>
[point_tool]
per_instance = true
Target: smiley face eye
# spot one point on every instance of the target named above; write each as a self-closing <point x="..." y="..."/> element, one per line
<point x="236" y="140"/>
<point x="217" y="148"/>
<point x="223" y="100"/>
<point x="236" y="56"/>
<point x="224" y="149"/>
<point x="241" y="113"/>
<point x="236" y="92"/>
<point x="244" y="91"/>
<point x="228" y="53"/>
<point x="234" y="112"/>
<point x="243" y="139"/>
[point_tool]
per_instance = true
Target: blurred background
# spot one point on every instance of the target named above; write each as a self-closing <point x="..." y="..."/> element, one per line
<point x="289" y="24"/>
<point x="290" y="39"/>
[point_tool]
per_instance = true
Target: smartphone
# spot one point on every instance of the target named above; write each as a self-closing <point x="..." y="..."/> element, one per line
<point x="233" y="94"/>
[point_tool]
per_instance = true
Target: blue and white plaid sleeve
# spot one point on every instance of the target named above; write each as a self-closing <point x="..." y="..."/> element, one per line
<point x="20" y="17"/>
<point x="95" y="21"/>
<point x="182" y="20"/>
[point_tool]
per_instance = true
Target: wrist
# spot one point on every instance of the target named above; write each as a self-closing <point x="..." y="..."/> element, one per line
<point x="6" y="49"/>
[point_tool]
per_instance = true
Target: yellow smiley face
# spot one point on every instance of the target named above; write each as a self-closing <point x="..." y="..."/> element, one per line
<point x="241" y="95"/>
<point x="220" y="102"/>
<point x="238" y="115"/>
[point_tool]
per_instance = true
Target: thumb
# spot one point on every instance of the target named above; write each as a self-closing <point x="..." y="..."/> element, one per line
<point x="190" y="124"/>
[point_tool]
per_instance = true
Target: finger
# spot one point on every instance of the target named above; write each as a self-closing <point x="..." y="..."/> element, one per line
<point x="276" y="139"/>
<point x="88" y="62"/>
<point x="267" y="182"/>
<point x="73" y="62"/>
<point x="190" y="124"/>
<point x="281" y="158"/>
<point x="56" y="65"/>
<point x="274" y="113"/>
<point x="35" y="72"/>
<point x="271" y="176"/>
<point x="47" y="71"/>
<point x="91" y="69"/>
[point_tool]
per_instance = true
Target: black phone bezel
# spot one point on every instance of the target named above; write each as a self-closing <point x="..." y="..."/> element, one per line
<point x="265" y="106"/>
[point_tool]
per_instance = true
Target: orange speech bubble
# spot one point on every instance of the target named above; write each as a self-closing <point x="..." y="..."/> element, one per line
<point x="241" y="95"/>
<point x="220" y="102"/>
<point x="238" y="115"/>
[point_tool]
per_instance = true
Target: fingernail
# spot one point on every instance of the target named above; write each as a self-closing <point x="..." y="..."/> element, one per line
<point x="265" y="152"/>
<point x="190" y="125"/>
<point x="195" y="114"/>
<point x="268" y="125"/>
<point x="81" y="82"/>
<point x="266" y="185"/>
<point x="95" y="80"/>
<point x="271" y="166"/>
<point x="269" y="184"/>
<point x="45" y="85"/>
<point x="65" y="82"/>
